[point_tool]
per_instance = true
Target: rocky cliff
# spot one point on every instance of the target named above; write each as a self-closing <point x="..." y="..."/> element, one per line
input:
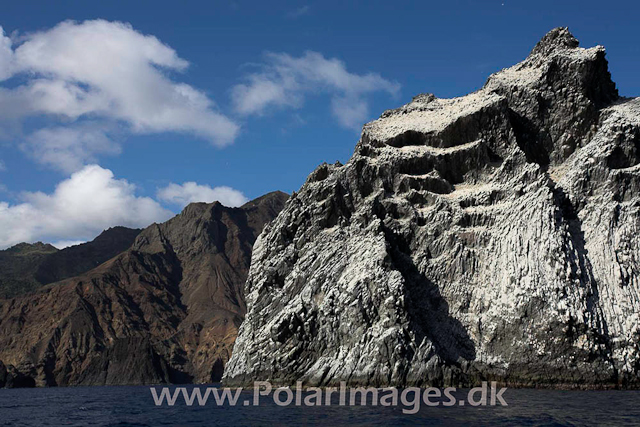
<point x="165" y="310"/>
<point x="492" y="236"/>
<point x="26" y="267"/>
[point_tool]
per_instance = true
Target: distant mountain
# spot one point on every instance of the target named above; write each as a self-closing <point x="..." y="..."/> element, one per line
<point x="26" y="267"/>
<point x="165" y="310"/>
<point x="79" y="259"/>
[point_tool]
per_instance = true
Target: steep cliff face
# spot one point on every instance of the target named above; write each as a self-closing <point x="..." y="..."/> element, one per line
<point x="26" y="267"/>
<point x="165" y="310"/>
<point x="492" y="236"/>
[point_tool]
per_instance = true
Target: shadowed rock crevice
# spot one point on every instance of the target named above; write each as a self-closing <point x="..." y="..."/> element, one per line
<point x="530" y="141"/>
<point x="429" y="315"/>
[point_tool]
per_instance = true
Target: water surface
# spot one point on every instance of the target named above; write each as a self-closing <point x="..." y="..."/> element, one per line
<point x="134" y="406"/>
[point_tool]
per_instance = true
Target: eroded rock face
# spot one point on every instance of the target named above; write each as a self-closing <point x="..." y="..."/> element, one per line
<point x="165" y="310"/>
<point x="492" y="236"/>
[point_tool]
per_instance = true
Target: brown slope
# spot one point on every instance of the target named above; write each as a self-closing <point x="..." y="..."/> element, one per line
<point x="26" y="267"/>
<point x="78" y="259"/>
<point x="166" y="310"/>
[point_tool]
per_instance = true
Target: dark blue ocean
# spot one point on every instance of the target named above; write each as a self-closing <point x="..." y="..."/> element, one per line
<point x="134" y="406"/>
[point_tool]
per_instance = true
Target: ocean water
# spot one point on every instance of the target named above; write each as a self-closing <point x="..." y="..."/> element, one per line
<point x="134" y="406"/>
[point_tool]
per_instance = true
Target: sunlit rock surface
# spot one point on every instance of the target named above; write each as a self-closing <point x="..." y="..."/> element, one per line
<point x="492" y="236"/>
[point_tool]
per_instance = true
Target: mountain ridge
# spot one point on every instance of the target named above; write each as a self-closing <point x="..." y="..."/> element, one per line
<point x="27" y="266"/>
<point x="165" y="310"/>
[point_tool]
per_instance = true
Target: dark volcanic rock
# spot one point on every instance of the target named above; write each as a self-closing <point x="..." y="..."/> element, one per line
<point x="165" y="310"/>
<point x="492" y="236"/>
<point x="10" y="377"/>
<point x="26" y="267"/>
<point x="128" y="361"/>
<point x="3" y="374"/>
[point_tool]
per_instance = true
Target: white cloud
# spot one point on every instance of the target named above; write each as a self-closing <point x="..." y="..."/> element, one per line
<point x="190" y="192"/>
<point x="69" y="148"/>
<point x="350" y="112"/>
<point x="2" y="166"/>
<point x="105" y="70"/>
<point x="6" y="56"/>
<point x="79" y="208"/>
<point x="283" y="81"/>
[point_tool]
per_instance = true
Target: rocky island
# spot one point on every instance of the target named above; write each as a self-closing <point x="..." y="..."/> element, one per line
<point x="493" y="236"/>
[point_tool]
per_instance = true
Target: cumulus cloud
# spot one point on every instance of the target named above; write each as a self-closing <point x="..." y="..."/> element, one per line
<point x="79" y="208"/>
<point x="106" y="70"/>
<point x="189" y="192"/>
<point x="284" y="81"/>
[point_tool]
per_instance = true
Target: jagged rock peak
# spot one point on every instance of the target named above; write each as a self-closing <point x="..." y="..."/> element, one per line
<point x="558" y="38"/>
<point x="558" y="63"/>
<point x="551" y="100"/>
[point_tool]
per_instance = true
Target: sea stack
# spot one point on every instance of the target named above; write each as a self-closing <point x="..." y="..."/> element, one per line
<point x="493" y="236"/>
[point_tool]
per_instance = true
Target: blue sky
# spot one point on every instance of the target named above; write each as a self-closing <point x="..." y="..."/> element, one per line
<point x="274" y="89"/>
